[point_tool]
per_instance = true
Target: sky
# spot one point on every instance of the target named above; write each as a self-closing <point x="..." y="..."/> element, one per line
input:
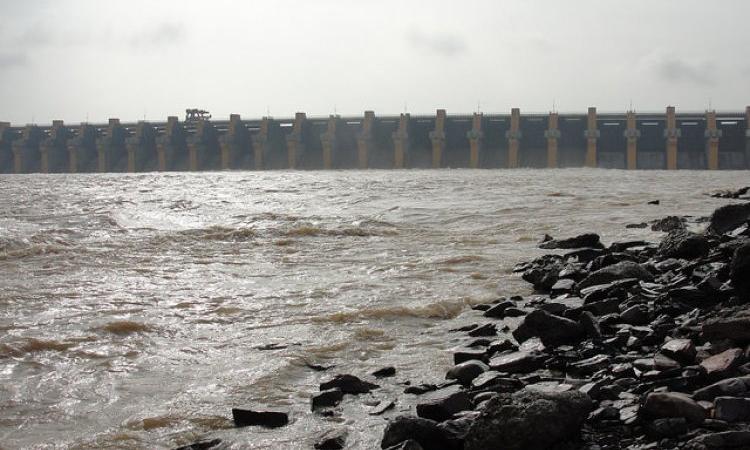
<point x="89" y="60"/>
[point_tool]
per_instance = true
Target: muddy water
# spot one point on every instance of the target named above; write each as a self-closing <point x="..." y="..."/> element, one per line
<point x="136" y="310"/>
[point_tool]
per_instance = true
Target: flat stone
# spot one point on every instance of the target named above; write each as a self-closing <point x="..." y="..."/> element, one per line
<point x="733" y="328"/>
<point x="615" y="272"/>
<point x="562" y="286"/>
<point x="468" y="355"/>
<point x="381" y="407"/>
<point x="267" y="418"/>
<point x="443" y="404"/>
<point x="663" y="362"/>
<point x="327" y="398"/>
<point x="636" y="315"/>
<point x="732" y="409"/>
<point x="349" y="384"/>
<point x="466" y="371"/>
<point x="498" y="311"/>
<point x="672" y="404"/>
<point x="731" y="387"/>
<point x="496" y="382"/>
<point x="590" y="365"/>
<point x="516" y="362"/>
<point x="587" y="240"/>
<point x="739" y="440"/>
<point x="723" y="364"/>
<point x="488" y="329"/>
<point x="681" y="350"/>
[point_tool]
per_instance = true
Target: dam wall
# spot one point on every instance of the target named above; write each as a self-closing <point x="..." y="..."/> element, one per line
<point x="670" y="140"/>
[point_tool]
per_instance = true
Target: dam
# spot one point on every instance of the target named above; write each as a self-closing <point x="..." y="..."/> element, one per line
<point x="668" y="140"/>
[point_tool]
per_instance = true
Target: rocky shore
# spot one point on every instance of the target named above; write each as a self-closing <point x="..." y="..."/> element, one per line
<point x="631" y="345"/>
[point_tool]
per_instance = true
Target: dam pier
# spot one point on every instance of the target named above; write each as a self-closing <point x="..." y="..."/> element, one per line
<point x="670" y="140"/>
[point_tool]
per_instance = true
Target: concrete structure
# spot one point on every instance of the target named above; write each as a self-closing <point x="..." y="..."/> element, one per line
<point x="668" y="140"/>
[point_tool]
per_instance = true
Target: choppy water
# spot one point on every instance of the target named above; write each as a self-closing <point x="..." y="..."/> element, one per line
<point x="132" y="307"/>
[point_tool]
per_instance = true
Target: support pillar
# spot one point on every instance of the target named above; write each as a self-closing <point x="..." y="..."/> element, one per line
<point x="672" y="135"/>
<point x="226" y="141"/>
<point x="132" y="150"/>
<point x="592" y="134"/>
<point x="48" y="145"/>
<point x="401" y="142"/>
<point x="553" y="135"/>
<point x="328" y="142"/>
<point x="437" y="136"/>
<point x="364" y="140"/>
<point x="514" y="138"/>
<point x="712" y="134"/>
<point x="475" y="136"/>
<point x="631" y="136"/>
<point x="294" y="141"/>
<point x="192" y="156"/>
<point x="260" y="143"/>
<point x="747" y="137"/>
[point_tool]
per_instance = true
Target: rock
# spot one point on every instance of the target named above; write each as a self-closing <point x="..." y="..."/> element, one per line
<point x="501" y="346"/>
<point x="683" y="244"/>
<point x="423" y="431"/>
<point x="740" y="269"/>
<point x="636" y="315"/>
<point x="653" y="202"/>
<point x="681" y="350"/>
<point x="590" y="365"/>
<point x="420" y="389"/>
<point x="726" y="440"/>
<point x="637" y="225"/>
<point x="669" y="223"/>
<point x="663" y="362"/>
<point x="516" y="362"/>
<point x="563" y="286"/>
<point x="407" y="445"/>
<point x="732" y="409"/>
<point x="590" y="325"/>
<point x="723" y="364"/>
<point x="588" y="240"/>
<point x="514" y="312"/>
<point x="496" y="382"/>
<point x="200" y="445"/>
<point x="615" y="272"/>
<point x="385" y="372"/>
<point x="268" y="418"/>
<point x="552" y="330"/>
<point x="443" y="404"/>
<point x="736" y="329"/>
<point x="349" y="384"/>
<point x="332" y="440"/>
<point x="529" y="421"/>
<point x="381" y="407"/>
<point x="488" y="329"/>
<point x="660" y="405"/>
<point x="465" y="372"/>
<point x="327" y="398"/>
<point x="498" y="311"/>
<point x="667" y="428"/>
<point x="729" y="217"/>
<point x="731" y="387"/>
<point x="468" y="355"/>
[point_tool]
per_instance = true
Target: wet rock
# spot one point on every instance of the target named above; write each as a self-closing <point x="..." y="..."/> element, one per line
<point x="563" y="286"/>
<point x="731" y="387"/>
<point x="332" y="440"/>
<point x="636" y="315"/>
<point x="669" y="223"/>
<point x="588" y="240"/>
<point x="514" y="312"/>
<point x="268" y="418"/>
<point x="739" y="440"/>
<point x="660" y="405"/>
<point x="479" y="342"/>
<point x="326" y="399"/>
<point x="468" y="355"/>
<point x="667" y="428"/>
<point x="740" y="270"/>
<point x="425" y="432"/>
<point x="496" y="382"/>
<point x="465" y="372"/>
<point x="723" y="364"/>
<point x="498" y="311"/>
<point x="381" y="407"/>
<point x="517" y="362"/>
<point x="731" y="194"/>
<point x="732" y="409"/>
<point x="407" y="445"/>
<point x="529" y="421"/>
<point x="488" y="329"/>
<point x="736" y="329"/>
<point x="200" y="445"/>
<point x="349" y="384"/>
<point x="501" y="346"/>
<point x="637" y="225"/>
<point x="443" y="404"/>
<point x="552" y="330"/>
<point x="385" y="372"/>
<point x="653" y="202"/>
<point x="681" y="350"/>
<point x="615" y="272"/>
<point x="684" y="244"/>
<point x="729" y="217"/>
<point x="420" y="389"/>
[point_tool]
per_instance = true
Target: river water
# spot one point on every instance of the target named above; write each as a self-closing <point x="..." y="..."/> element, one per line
<point x="137" y="310"/>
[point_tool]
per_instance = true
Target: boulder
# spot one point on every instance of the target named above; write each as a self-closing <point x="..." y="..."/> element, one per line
<point x="488" y="329"/>
<point x="587" y="240"/>
<point x="729" y="217"/>
<point x="327" y="398"/>
<point x="723" y="364"/>
<point x="732" y="409"/>
<point x="268" y="418"/>
<point x="349" y="384"/>
<point x="659" y="405"/>
<point x="621" y="270"/>
<point x="425" y="432"/>
<point x="681" y="350"/>
<point x="683" y="244"/>
<point x="465" y="372"/>
<point x="636" y="315"/>
<point x="529" y="421"/>
<point x="669" y="223"/>
<point x="740" y="270"/>
<point x="552" y="330"/>
<point x="725" y="440"/>
<point x="730" y="387"/>
<point x="517" y="362"/>
<point x="468" y="355"/>
<point x="736" y="329"/>
<point x="443" y="404"/>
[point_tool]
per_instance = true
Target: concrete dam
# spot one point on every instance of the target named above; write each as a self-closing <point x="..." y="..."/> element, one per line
<point x="669" y="140"/>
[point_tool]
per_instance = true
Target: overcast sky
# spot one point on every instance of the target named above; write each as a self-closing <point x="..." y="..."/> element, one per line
<point x="79" y="59"/>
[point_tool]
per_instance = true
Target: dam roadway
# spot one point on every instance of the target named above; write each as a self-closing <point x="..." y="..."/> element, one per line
<point x="668" y="140"/>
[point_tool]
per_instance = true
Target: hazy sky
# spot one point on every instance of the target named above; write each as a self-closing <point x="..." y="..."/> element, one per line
<point x="73" y="59"/>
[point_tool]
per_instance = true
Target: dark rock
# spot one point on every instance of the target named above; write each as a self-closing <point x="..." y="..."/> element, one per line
<point x="488" y="329"/>
<point x="667" y="428"/>
<point x="729" y="217"/>
<point x="683" y="244"/>
<point x="637" y="225"/>
<point x="381" y="407"/>
<point x="636" y="315"/>
<point x="739" y="440"/>
<point x="529" y="421"/>
<point x="733" y="328"/>
<point x="468" y="355"/>
<point x="466" y="371"/>
<point x="496" y="382"/>
<point x="384" y="372"/>
<point x="669" y="223"/>
<point x="501" y="346"/>
<point x="590" y="365"/>
<point x="480" y="342"/>
<point x="200" y="445"/>
<point x="563" y="286"/>
<point x="407" y="445"/>
<point x="332" y="440"/>
<point x="420" y="389"/>
<point x="423" y="431"/>
<point x="723" y="364"/>
<point x="653" y="202"/>
<point x="588" y="240"/>
<point x="269" y="418"/>
<point x="615" y="272"/>
<point x="663" y="362"/>
<point x="660" y="405"/>
<point x="443" y="404"/>
<point x="730" y="387"/>
<point x="740" y="269"/>
<point x="327" y="398"/>
<point x="552" y="330"/>
<point x="514" y="312"/>
<point x="681" y="350"/>
<point x="349" y="384"/>
<point x="517" y="362"/>
<point x="732" y="409"/>
<point x="498" y="311"/>
<point x="590" y="325"/>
